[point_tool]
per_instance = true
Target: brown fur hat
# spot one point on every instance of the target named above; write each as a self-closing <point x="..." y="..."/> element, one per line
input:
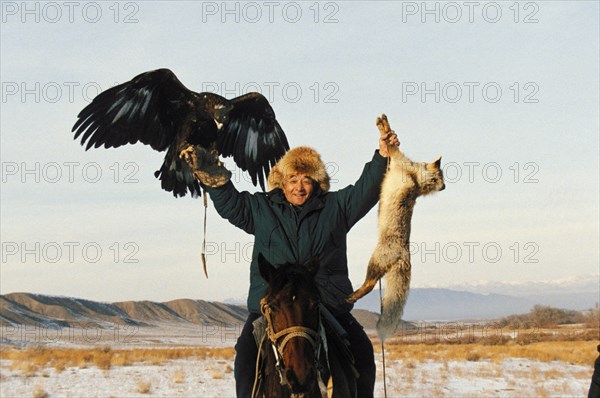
<point x="301" y="159"/>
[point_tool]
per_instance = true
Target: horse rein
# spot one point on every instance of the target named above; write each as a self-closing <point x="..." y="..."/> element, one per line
<point x="313" y="337"/>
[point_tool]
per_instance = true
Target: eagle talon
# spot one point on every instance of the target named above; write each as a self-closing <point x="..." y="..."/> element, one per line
<point x="186" y="153"/>
<point x="191" y="157"/>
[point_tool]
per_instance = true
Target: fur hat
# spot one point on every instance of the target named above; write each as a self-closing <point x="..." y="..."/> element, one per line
<point x="301" y="159"/>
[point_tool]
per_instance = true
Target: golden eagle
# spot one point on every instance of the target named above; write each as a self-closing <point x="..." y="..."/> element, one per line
<point x="156" y="109"/>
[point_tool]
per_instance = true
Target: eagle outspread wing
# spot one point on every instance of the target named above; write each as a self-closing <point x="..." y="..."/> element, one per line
<point x="156" y="109"/>
<point x="253" y="136"/>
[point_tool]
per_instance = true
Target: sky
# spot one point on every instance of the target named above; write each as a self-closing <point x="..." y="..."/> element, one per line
<point x="506" y="92"/>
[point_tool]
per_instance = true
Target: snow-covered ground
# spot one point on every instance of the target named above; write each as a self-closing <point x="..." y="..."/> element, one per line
<point x="508" y="378"/>
<point x="214" y="378"/>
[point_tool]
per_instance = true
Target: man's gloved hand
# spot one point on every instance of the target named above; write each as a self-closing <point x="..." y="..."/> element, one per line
<point x="206" y="166"/>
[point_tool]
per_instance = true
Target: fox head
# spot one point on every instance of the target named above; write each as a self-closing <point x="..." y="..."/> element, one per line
<point x="430" y="177"/>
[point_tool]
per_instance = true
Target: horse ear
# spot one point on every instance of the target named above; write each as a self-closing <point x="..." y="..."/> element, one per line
<point x="313" y="265"/>
<point x="265" y="268"/>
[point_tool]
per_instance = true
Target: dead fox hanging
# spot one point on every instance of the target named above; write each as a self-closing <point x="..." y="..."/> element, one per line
<point x="404" y="182"/>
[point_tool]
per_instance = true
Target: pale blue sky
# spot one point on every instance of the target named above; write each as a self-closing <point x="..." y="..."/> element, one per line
<point x="536" y="220"/>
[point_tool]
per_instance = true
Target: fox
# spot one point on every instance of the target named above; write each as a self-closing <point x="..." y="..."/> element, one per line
<point x="403" y="183"/>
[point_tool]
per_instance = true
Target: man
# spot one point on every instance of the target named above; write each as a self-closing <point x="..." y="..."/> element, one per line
<point x="594" y="391"/>
<point x="297" y="219"/>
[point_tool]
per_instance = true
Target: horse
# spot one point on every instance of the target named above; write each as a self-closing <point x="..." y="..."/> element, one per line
<point x="301" y="355"/>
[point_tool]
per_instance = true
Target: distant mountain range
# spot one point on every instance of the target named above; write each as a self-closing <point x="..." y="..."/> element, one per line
<point x="39" y="310"/>
<point x="489" y="301"/>
<point x="424" y="304"/>
<point x="578" y="292"/>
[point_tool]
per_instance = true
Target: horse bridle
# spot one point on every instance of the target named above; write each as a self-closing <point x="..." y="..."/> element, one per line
<point x="313" y="337"/>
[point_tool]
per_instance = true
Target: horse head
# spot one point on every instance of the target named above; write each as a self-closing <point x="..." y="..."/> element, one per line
<point x="291" y="309"/>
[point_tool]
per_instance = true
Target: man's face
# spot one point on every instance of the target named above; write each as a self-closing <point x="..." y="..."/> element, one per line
<point x="297" y="188"/>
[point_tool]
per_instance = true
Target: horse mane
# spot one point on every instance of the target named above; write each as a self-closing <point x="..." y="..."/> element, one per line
<point x="297" y="276"/>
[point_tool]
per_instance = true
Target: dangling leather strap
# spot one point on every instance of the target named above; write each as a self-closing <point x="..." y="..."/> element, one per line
<point x="203" y="254"/>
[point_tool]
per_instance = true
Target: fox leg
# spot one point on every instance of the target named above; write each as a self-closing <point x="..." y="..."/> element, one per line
<point x="384" y="129"/>
<point x="375" y="272"/>
<point x="383" y="124"/>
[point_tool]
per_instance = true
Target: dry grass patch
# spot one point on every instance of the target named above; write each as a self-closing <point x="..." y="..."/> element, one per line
<point x="179" y="376"/>
<point x="119" y="359"/>
<point x="473" y="356"/>
<point x="30" y="360"/>
<point x="552" y="374"/>
<point x="581" y="374"/>
<point x="27" y="369"/>
<point x="408" y="375"/>
<point x="144" y="387"/>
<point x="493" y="333"/>
<point x="59" y="365"/>
<point x="156" y="361"/>
<point x="573" y="352"/>
<point x="541" y="391"/>
<point x="215" y="374"/>
<point x="39" y="392"/>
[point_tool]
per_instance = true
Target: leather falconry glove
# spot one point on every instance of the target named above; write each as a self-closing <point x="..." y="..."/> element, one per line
<point x="206" y="166"/>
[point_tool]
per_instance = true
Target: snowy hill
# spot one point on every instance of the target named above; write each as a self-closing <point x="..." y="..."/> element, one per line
<point x="35" y="309"/>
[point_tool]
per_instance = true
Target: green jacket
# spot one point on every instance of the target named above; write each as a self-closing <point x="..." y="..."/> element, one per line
<point x="283" y="236"/>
